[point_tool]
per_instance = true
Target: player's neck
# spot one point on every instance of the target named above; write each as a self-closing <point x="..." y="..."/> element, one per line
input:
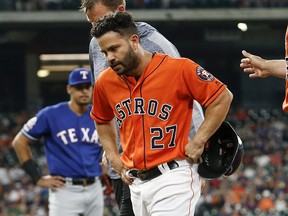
<point x="145" y="59"/>
<point x="76" y="108"/>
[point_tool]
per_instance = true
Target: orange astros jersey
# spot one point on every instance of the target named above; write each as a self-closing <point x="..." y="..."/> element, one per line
<point x="285" y="103"/>
<point x="154" y="113"/>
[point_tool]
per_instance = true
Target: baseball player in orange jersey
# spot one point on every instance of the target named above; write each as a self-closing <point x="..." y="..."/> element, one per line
<point x="152" y="41"/>
<point x="258" y="67"/>
<point x="151" y="95"/>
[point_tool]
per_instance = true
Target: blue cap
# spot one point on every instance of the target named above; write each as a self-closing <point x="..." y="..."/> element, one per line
<point x="80" y="75"/>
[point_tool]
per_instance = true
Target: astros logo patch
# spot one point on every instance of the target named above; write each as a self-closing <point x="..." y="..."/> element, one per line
<point x="204" y="75"/>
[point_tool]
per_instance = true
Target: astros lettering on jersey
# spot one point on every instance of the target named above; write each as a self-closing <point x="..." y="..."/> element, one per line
<point x="148" y="110"/>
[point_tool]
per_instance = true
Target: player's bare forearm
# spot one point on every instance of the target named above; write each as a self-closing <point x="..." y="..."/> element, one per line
<point x="277" y="68"/>
<point x="108" y="137"/>
<point x="21" y="146"/>
<point x="258" y="67"/>
<point x="215" y="114"/>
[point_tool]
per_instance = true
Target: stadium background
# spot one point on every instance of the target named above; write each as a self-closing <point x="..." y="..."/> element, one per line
<point x="203" y="30"/>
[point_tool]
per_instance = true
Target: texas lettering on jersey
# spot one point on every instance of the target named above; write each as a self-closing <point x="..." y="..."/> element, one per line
<point x="70" y="136"/>
<point x="153" y="109"/>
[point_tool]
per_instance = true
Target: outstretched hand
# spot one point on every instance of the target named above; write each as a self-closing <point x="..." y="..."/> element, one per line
<point x="254" y="65"/>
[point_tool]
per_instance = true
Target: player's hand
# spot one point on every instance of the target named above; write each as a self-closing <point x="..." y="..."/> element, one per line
<point x="117" y="164"/>
<point x="254" y="65"/>
<point x="119" y="167"/>
<point x="203" y="183"/>
<point x="52" y="182"/>
<point x="194" y="150"/>
<point x="125" y="178"/>
<point x="104" y="163"/>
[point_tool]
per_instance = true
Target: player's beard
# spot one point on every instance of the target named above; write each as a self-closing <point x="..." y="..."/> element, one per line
<point x="128" y="63"/>
<point x="82" y="101"/>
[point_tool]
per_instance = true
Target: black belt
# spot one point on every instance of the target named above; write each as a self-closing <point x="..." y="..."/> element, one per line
<point x="83" y="181"/>
<point x="154" y="172"/>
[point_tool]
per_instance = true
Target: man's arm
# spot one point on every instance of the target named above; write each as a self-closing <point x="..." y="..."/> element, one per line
<point x="215" y="114"/>
<point x="108" y="137"/>
<point x="21" y="145"/>
<point x="258" y="67"/>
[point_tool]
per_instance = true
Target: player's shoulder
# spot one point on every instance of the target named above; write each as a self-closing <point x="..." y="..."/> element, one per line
<point x="56" y="108"/>
<point x="93" y="39"/>
<point x="173" y="58"/>
<point x="145" y="29"/>
<point x="175" y="62"/>
<point x="106" y="74"/>
<point x="144" y="25"/>
<point x="61" y="105"/>
<point x="93" y="44"/>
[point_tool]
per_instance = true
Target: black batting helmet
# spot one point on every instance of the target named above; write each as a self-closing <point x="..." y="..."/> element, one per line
<point x="223" y="153"/>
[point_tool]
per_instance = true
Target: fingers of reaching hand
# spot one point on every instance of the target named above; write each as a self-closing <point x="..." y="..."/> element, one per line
<point x="246" y="54"/>
<point x="245" y="63"/>
<point x="249" y="70"/>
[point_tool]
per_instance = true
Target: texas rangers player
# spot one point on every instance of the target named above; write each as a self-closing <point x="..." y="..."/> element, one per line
<point x="151" y="95"/>
<point x="72" y="150"/>
<point x="152" y="41"/>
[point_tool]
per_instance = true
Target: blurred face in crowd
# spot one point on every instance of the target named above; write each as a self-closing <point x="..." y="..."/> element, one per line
<point x="80" y="94"/>
<point x="98" y="10"/>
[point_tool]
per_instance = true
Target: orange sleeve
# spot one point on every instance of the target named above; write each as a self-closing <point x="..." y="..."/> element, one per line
<point x="285" y="103"/>
<point x="101" y="111"/>
<point x="202" y="85"/>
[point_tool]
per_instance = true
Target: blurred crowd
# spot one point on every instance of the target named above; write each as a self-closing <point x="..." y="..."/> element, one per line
<point x="259" y="187"/>
<point x="36" y="5"/>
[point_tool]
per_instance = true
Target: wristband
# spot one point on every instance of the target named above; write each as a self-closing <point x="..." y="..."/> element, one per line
<point x="32" y="169"/>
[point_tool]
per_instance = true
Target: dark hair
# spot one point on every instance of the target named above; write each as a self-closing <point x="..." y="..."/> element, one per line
<point x="120" y="21"/>
<point x="112" y="4"/>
